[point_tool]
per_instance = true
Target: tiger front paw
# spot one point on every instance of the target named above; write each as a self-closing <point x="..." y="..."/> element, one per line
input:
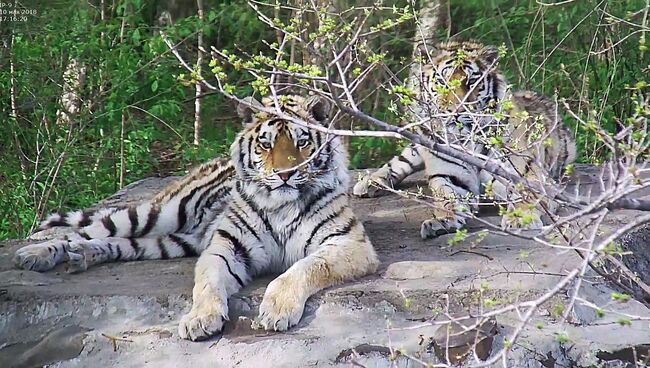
<point x="40" y="257"/>
<point x="369" y="186"/>
<point x="434" y="228"/>
<point x="206" y="319"/>
<point x="282" y="306"/>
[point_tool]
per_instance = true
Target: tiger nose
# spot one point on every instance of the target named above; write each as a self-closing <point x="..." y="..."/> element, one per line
<point x="285" y="175"/>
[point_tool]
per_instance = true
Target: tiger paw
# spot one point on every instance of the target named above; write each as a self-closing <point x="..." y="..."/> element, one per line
<point x="369" y="186"/>
<point x="434" y="228"/>
<point x="204" y="320"/>
<point x="40" y="257"/>
<point x="281" y="308"/>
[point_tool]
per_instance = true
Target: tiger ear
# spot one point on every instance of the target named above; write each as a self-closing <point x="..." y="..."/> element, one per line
<point x="318" y="107"/>
<point x="247" y="108"/>
<point x="489" y="54"/>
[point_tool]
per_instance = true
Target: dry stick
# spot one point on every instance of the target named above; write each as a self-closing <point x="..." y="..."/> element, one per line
<point x="115" y="339"/>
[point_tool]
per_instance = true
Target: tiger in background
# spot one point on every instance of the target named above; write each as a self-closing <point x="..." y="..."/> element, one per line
<point x="461" y="92"/>
<point x="279" y="204"/>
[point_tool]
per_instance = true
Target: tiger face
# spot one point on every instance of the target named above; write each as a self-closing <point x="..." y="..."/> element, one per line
<point x="461" y="78"/>
<point x="284" y="158"/>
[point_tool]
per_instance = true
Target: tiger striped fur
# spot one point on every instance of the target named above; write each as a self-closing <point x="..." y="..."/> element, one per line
<point x="170" y="225"/>
<point x="279" y="205"/>
<point x="460" y="90"/>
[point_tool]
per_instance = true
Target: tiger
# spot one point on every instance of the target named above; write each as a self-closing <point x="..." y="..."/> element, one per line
<point x="279" y="204"/>
<point x="464" y="99"/>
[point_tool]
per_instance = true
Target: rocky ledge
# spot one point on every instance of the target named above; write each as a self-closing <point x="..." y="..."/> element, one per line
<point x="125" y="314"/>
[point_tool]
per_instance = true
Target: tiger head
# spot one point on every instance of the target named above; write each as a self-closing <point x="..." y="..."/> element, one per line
<point x="283" y="158"/>
<point x="461" y="77"/>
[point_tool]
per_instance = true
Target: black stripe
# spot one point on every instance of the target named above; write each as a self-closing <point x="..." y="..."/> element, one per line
<point x="109" y="225"/>
<point x="241" y="150"/>
<point x="344" y="231"/>
<point x="404" y="160"/>
<point x="110" y="249"/>
<point x="239" y="249"/>
<point x="220" y="179"/>
<point x="210" y="191"/>
<point x="307" y="210"/>
<point x="250" y="154"/>
<point x="393" y="175"/>
<point x="182" y="214"/>
<point x="119" y="252"/>
<point x="452" y="179"/>
<point x="136" y="248"/>
<point x="182" y="211"/>
<point x="239" y="281"/>
<point x="163" y="250"/>
<point x="85" y="218"/>
<point x="243" y="222"/>
<point x="152" y="218"/>
<point x="84" y="235"/>
<point x="258" y="212"/>
<point x="327" y="219"/>
<point x="133" y="218"/>
<point x="319" y="139"/>
<point x="188" y="249"/>
<point x="209" y="202"/>
<point x="54" y="223"/>
<point x="273" y="122"/>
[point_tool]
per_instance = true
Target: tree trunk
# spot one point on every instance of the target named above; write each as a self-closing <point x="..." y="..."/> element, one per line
<point x="74" y="79"/>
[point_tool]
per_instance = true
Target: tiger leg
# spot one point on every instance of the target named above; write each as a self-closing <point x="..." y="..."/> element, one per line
<point x="81" y="253"/>
<point x="454" y="186"/>
<point x="222" y="270"/>
<point x="389" y="175"/>
<point x="338" y="259"/>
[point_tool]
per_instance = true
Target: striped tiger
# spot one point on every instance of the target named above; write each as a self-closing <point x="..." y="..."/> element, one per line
<point x="279" y="204"/>
<point x="463" y="92"/>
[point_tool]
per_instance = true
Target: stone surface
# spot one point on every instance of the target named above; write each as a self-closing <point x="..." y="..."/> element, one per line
<point x="126" y="314"/>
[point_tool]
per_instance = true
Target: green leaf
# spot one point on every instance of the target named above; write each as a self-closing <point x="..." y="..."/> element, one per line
<point x="154" y="86"/>
<point x="136" y="36"/>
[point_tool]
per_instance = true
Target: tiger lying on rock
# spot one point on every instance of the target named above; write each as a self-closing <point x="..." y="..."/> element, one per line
<point x="279" y="204"/>
<point x="461" y="85"/>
